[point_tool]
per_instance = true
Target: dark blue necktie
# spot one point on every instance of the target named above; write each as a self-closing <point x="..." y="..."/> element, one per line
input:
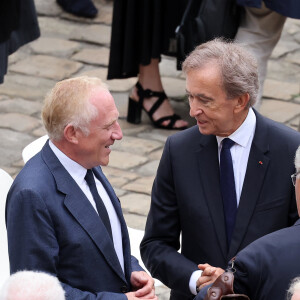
<point x="228" y="187"/>
<point x="89" y="178"/>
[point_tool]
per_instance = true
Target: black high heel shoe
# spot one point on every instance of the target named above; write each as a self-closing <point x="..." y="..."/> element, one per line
<point x="135" y="109"/>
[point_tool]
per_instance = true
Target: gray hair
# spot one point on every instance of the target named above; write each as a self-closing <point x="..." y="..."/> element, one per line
<point x="67" y="103"/>
<point x="295" y="284"/>
<point x="31" y="285"/>
<point x="238" y="67"/>
<point x="297" y="159"/>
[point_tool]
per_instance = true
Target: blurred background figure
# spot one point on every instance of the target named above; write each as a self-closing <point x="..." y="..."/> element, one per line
<point x="18" y="26"/>
<point x="141" y="32"/>
<point x="294" y="290"/>
<point x="261" y="28"/>
<point x="30" y="285"/>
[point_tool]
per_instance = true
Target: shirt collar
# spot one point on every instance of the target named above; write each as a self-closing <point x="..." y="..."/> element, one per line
<point x="77" y="171"/>
<point x="243" y="134"/>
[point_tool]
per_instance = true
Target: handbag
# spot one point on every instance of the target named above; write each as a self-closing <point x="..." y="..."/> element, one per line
<point x="204" y="20"/>
<point x="222" y="288"/>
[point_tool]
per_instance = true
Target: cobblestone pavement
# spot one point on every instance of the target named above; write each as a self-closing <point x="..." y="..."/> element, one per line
<point x="70" y="46"/>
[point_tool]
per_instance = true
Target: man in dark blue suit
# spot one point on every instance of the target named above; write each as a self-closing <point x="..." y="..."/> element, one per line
<point x="62" y="215"/>
<point x="265" y="268"/>
<point x="194" y="204"/>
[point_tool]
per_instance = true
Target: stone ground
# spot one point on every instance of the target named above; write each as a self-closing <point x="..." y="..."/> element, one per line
<point x="70" y="46"/>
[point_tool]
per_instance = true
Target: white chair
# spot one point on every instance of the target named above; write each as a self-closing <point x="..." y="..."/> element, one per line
<point x="5" y="183"/>
<point x="33" y="148"/>
<point x="135" y="235"/>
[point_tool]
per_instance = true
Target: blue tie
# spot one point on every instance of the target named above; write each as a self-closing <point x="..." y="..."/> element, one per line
<point x="89" y="178"/>
<point x="228" y="187"/>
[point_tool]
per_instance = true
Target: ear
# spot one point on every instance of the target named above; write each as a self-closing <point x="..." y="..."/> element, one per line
<point x="71" y="134"/>
<point x="242" y="103"/>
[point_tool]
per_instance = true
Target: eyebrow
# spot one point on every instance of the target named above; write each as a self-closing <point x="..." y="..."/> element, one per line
<point x="113" y="121"/>
<point x="200" y="96"/>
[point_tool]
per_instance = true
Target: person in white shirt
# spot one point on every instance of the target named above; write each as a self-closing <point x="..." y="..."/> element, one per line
<point x="63" y="217"/>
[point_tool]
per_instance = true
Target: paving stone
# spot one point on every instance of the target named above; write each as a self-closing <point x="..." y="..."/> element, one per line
<point x="135" y="221"/>
<point x="141" y="185"/>
<point x="98" y="56"/>
<point x="119" y="192"/>
<point x="156" y="155"/>
<point x="54" y="46"/>
<point x="136" y="203"/>
<point x="283" y="71"/>
<point x="18" y="105"/>
<point x="11" y="146"/>
<point x="18" y="55"/>
<point x="3" y="98"/>
<point x="39" y="132"/>
<point x="280" y="90"/>
<point x="174" y="87"/>
<point x="118" y="181"/>
<point x="26" y="87"/>
<point x="125" y="160"/>
<point x="47" y="66"/>
<point x="148" y="169"/>
<point x="49" y="7"/>
<point x="157" y="134"/>
<point x="279" y="110"/>
<point x="284" y="47"/>
<point x="96" y="34"/>
<point x="137" y="145"/>
<point x="293" y="58"/>
<point x="113" y="172"/>
<point x="115" y="85"/>
<point x="18" y="122"/>
<point x="55" y="27"/>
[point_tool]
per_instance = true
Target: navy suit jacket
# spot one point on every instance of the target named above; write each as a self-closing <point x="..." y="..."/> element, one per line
<point x="265" y="268"/>
<point x="52" y="227"/>
<point x="186" y="200"/>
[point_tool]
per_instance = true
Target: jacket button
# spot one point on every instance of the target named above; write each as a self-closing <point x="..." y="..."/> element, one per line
<point x="124" y="289"/>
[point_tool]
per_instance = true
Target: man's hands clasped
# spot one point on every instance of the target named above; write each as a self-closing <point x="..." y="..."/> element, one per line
<point x="143" y="285"/>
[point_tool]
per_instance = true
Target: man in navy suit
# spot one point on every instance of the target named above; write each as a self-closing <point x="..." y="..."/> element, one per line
<point x="265" y="268"/>
<point x="188" y="198"/>
<point x="62" y="215"/>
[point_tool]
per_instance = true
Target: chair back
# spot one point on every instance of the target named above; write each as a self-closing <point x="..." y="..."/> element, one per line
<point x="33" y="148"/>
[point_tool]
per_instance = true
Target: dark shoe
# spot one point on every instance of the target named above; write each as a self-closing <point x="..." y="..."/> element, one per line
<point x="135" y="109"/>
<point x="81" y="8"/>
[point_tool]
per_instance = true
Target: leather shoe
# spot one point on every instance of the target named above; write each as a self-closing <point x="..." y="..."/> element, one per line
<point x="81" y="8"/>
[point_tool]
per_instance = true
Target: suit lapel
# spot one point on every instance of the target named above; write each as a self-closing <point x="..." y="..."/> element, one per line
<point x="209" y="177"/>
<point x="256" y="170"/>
<point x="82" y="210"/>
<point x="116" y="203"/>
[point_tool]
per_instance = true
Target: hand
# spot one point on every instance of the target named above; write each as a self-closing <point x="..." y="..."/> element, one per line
<point x="208" y="276"/>
<point x="131" y="296"/>
<point x="143" y="284"/>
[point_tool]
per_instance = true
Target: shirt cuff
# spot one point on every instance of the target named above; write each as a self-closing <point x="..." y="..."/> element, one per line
<point x="193" y="280"/>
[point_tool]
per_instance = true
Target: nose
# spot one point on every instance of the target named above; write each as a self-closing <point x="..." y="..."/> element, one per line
<point x="117" y="133"/>
<point x="194" y="110"/>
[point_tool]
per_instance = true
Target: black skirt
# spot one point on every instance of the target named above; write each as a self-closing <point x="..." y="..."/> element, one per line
<point x="26" y="31"/>
<point x="142" y="30"/>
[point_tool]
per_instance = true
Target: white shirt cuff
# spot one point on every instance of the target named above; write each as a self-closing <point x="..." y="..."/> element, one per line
<point x="193" y="281"/>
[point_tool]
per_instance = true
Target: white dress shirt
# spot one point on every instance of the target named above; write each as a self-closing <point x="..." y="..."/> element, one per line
<point x="243" y="138"/>
<point x="78" y="172"/>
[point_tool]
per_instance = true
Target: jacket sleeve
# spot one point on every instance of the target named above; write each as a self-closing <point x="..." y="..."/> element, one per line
<point x="32" y="242"/>
<point x="160" y="245"/>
